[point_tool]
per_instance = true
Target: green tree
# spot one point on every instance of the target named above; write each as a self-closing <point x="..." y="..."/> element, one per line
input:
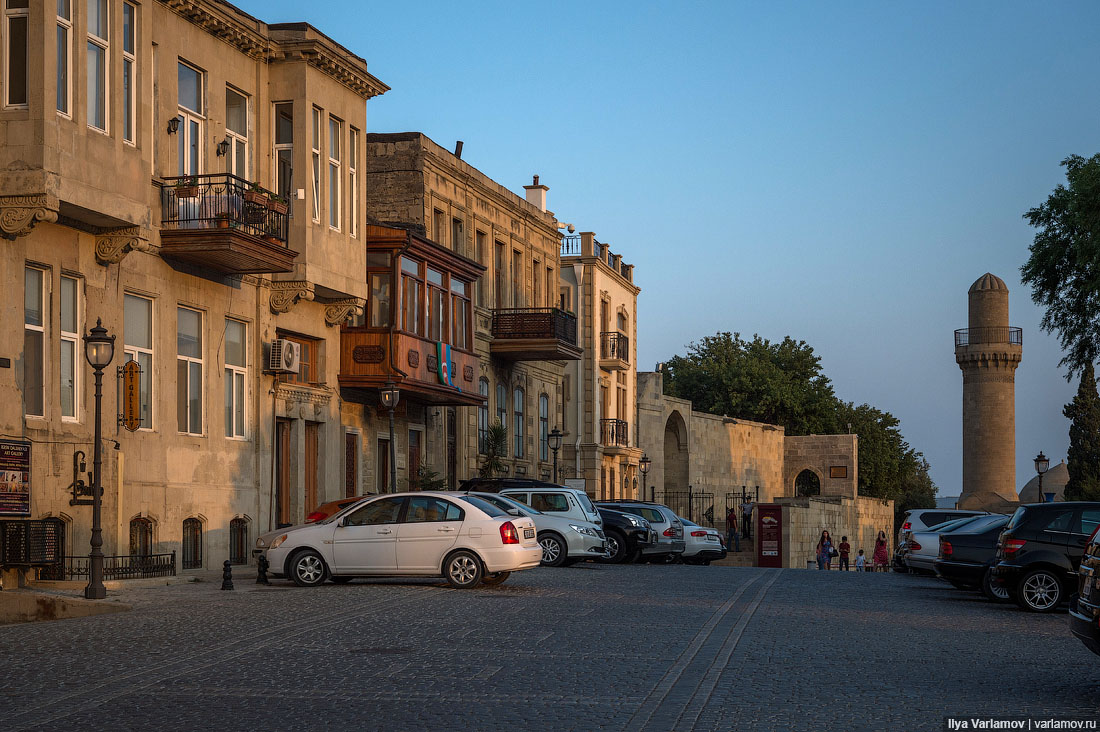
<point x="776" y="383"/>
<point x="496" y="443"/>
<point x="1064" y="267"/>
<point x="1083" y="458"/>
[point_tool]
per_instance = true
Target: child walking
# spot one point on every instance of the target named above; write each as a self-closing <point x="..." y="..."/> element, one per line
<point x="861" y="561"/>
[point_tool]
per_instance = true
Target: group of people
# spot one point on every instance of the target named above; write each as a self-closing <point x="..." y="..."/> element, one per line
<point x="826" y="552"/>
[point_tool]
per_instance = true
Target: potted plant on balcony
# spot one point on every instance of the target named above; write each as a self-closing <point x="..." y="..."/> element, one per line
<point x="278" y="204"/>
<point x="223" y="220"/>
<point x="256" y="195"/>
<point x="187" y="187"/>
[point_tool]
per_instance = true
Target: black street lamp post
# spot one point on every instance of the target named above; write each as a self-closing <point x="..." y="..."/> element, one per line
<point x="390" y="396"/>
<point x="554" y="440"/>
<point x="644" y="465"/>
<point x="1041" y="465"/>
<point x="99" y="349"/>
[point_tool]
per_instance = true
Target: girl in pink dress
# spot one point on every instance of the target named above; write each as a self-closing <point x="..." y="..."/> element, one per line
<point x="881" y="557"/>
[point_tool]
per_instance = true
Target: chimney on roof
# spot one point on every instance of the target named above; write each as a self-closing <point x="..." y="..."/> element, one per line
<point x="536" y="194"/>
<point x="458" y="149"/>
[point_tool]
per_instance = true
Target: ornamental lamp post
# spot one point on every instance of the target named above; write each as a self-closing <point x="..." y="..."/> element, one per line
<point x="644" y="465"/>
<point x="99" y="349"/>
<point x="554" y="440"/>
<point x="390" y="396"/>
<point x="1041" y="465"/>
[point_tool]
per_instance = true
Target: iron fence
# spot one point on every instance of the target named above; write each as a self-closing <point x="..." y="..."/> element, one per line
<point x="989" y="334"/>
<point x="614" y="345"/>
<point x="38" y="542"/>
<point x="120" y="567"/>
<point x="615" y="432"/>
<point x="535" y="323"/>
<point x="223" y="201"/>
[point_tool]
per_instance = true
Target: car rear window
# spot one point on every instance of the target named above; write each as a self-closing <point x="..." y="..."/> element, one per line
<point x="651" y="515"/>
<point x="482" y="504"/>
<point x="507" y="503"/>
<point x="982" y="523"/>
<point x="553" y="502"/>
<point x="1017" y="518"/>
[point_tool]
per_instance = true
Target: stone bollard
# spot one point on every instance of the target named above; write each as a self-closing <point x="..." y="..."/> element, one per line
<point x="261" y="570"/>
<point x="227" y="575"/>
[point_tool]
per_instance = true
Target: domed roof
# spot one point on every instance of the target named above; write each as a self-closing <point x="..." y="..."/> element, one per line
<point x="1054" y="481"/>
<point x="988" y="281"/>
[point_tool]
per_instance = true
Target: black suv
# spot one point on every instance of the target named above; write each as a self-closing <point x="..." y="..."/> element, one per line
<point x="1084" y="613"/>
<point x="966" y="556"/>
<point x="1040" y="549"/>
<point x="627" y="535"/>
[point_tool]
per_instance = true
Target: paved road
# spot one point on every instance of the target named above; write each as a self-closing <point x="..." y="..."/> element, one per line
<point x="589" y="647"/>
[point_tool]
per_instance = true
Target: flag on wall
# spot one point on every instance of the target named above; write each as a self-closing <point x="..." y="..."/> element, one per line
<point x="443" y="359"/>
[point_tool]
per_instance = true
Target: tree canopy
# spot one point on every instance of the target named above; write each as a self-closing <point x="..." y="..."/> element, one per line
<point x="1083" y="458"/>
<point x="1064" y="267"/>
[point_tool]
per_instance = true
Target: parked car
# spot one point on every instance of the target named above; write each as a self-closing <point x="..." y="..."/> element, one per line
<point x="966" y="555"/>
<point x="463" y="538"/>
<point x="628" y="535"/>
<point x="702" y="545"/>
<point x="327" y="509"/>
<point x="919" y="519"/>
<point x="558" y="500"/>
<point x="1040" y="549"/>
<point x="670" y="531"/>
<point x="923" y="547"/>
<point x="1084" y="611"/>
<point x="564" y="540"/>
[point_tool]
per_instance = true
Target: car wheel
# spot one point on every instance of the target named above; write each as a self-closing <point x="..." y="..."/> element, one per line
<point x="462" y="570"/>
<point x="307" y="569"/>
<point x="340" y="580"/>
<point x="1039" y="591"/>
<point x="994" y="592"/>
<point x="554" y="552"/>
<point x="494" y="578"/>
<point x="616" y="548"/>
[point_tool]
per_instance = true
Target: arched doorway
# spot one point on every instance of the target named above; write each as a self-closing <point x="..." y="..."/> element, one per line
<point x="807" y="483"/>
<point x="676" y="454"/>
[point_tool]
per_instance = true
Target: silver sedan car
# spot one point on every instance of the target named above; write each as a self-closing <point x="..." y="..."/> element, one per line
<point x="564" y="540"/>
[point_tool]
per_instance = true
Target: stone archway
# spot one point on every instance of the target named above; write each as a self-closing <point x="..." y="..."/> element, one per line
<point x="807" y="483"/>
<point x="676" y="453"/>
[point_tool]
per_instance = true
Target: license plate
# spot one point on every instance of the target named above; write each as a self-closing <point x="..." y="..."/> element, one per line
<point x="528" y="533"/>
<point x="712" y="537"/>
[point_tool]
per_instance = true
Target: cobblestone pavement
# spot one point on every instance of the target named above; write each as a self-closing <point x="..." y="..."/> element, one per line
<point x="583" y="648"/>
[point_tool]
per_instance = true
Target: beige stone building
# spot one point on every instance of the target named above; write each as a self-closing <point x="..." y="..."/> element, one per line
<point x="192" y="177"/>
<point x="600" y="442"/>
<point x="521" y="339"/>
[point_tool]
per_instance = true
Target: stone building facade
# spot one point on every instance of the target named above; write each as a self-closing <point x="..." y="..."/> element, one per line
<point x="601" y="429"/>
<point x="521" y="338"/>
<point x="191" y="177"/>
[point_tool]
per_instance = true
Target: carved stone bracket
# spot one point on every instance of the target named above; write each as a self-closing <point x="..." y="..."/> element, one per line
<point x="19" y="214"/>
<point x="112" y="246"/>
<point x="284" y="295"/>
<point x="337" y="311"/>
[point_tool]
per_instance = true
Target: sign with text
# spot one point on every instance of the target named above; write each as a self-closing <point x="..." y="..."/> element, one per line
<point x="15" y="478"/>
<point x="131" y="396"/>
<point x="769" y="535"/>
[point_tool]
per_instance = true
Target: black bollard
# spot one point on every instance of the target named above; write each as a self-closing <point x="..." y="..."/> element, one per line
<point x="261" y="570"/>
<point x="227" y="575"/>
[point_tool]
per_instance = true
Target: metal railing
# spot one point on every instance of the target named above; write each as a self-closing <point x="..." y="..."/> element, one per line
<point x="570" y="245"/>
<point x="615" y="432"/>
<point x="989" y="334"/>
<point x="126" y="566"/>
<point x="38" y="542"/>
<point x="535" y="323"/>
<point x="614" y="345"/>
<point x="223" y="201"/>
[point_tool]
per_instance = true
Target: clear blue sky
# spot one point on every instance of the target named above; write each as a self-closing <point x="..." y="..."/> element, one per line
<point x="840" y="172"/>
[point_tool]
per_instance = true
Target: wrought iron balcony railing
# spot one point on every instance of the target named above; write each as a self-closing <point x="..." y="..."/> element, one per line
<point x="535" y="323"/>
<point x="615" y="432"/>
<point x="989" y="334"/>
<point x="614" y="345"/>
<point x="223" y="201"/>
<point x="571" y="245"/>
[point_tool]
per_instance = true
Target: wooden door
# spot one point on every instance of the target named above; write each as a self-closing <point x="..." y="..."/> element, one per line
<point x="414" y="459"/>
<point x="282" y="473"/>
<point x="382" y="467"/>
<point x="452" y="449"/>
<point x="351" y="464"/>
<point x="312" y="432"/>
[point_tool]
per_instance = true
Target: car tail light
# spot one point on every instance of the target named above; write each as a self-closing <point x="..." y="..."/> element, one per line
<point x="945" y="549"/>
<point x="508" y="533"/>
<point x="914" y="546"/>
<point x="670" y="531"/>
<point x="698" y="533"/>
<point x="1011" y="546"/>
<point x="315" y="516"/>
<point x="906" y="526"/>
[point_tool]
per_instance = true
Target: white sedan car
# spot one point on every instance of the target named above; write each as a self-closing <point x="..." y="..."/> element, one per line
<point x="462" y="538"/>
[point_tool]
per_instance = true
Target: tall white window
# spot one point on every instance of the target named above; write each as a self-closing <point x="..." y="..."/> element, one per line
<point x="353" y="181"/>
<point x="16" y="18"/>
<point x="64" y="55"/>
<point x="129" y="68"/>
<point x="284" y="148"/>
<point x="70" y="348"/>
<point x="34" y="342"/>
<point x="316" y="162"/>
<point x="98" y="46"/>
<point x="190" y="96"/>
<point x="236" y="132"/>
<point x="138" y="346"/>
<point x="335" y="134"/>
<point x="236" y="370"/>
<point x="189" y="371"/>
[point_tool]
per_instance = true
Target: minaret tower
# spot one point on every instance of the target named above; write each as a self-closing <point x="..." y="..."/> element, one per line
<point x="988" y="353"/>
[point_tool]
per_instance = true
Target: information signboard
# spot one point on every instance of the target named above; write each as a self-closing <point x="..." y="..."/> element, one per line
<point x="131" y="396"/>
<point x="769" y="535"/>
<point x="15" y="478"/>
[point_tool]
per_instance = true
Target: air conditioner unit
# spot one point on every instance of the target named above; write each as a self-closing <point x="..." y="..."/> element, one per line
<point x="284" y="356"/>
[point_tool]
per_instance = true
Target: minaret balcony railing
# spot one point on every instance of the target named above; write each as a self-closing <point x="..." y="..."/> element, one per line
<point x="992" y="334"/>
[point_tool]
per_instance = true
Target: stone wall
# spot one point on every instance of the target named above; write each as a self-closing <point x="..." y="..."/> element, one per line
<point x="831" y="457"/>
<point x="860" y="519"/>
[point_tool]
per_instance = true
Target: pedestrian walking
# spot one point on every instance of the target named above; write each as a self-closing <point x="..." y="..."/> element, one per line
<point x="731" y="529"/>
<point x="746" y="518"/>
<point x="825" y="550"/>
<point x="845" y="548"/>
<point x="881" y="557"/>
<point x="861" y="562"/>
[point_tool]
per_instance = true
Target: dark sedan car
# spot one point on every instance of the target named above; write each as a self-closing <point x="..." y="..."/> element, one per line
<point x="1084" y="613"/>
<point x="1040" y="549"/>
<point x="966" y="556"/>
<point x="627" y="535"/>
